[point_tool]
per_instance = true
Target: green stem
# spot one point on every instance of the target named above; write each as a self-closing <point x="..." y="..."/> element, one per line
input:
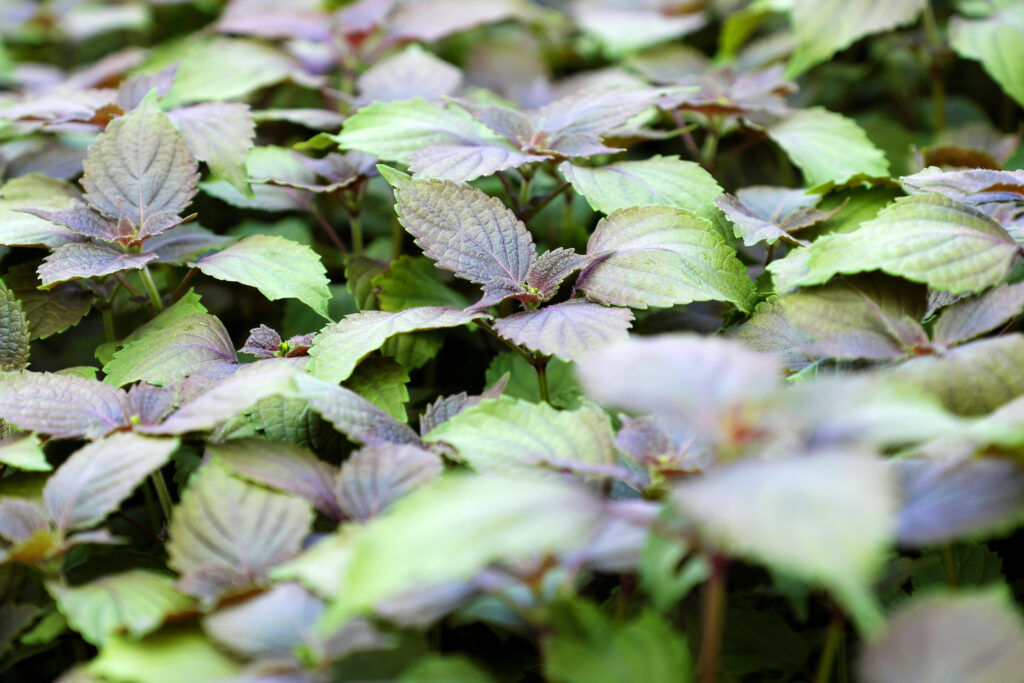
<point x="935" y="70"/>
<point x="525" y="190"/>
<point x="154" y="293"/>
<point x="523" y="353"/>
<point x="162" y="493"/>
<point x="541" y="366"/>
<point x="397" y="238"/>
<point x="833" y="637"/>
<point x="356" y="225"/>
<point x="710" y="149"/>
<point x="544" y="201"/>
<point x="949" y="564"/>
<point x="108" y="325"/>
<point x="513" y="198"/>
<point x="713" y="621"/>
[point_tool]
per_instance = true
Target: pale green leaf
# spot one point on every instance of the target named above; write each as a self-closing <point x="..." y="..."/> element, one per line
<point x="99" y="476"/>
<point x="279" y="268"/>
<point x="220" y="135"/>
<point x="997" y="41"/>
<point x="23" y="452"/>
<point x="169" y="352"/>
<point x="187" y="306"/>
<point x="970" y="637"/>
<point x="827" y="147"/>
<point x="162" y="657"/>
<point x="382" y="382"/>
<point x="823" y="518"/>
<point x="513" y="436"/>
<point x="262" y="164"/>
<point x="413" y="281"/>
<point x="657" y="181"/>
<point x="925" y="238"/>
<point x="622" y="28"/>
<point x="35" y="191"/>
<point x="823" y="28"/>
<point x="226" y="533"/>
<point x="662" y="256"/>
<point x="972" y="317"/>
<point x="133" y="603"/>
<point x="338" y="349"/>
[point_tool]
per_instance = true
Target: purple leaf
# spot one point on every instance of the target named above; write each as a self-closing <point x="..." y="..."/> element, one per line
<point x="769" y="214"/>
<point x="140" y="166"/>
<point x="972" y="317"/>
<point x="431" y="20"/>
<point x="134" y="89"/>
<point x="263" y="342"/>
<point x="219" y="134"/>
<point x="568" y="329"/>
<point x="548" y="271"/>
<point x="94" y="481"/>
<point x="285" y="467"/>
<point x="151" y="404"/>
<point x="267" y="625"/>
<point x="85" y="221"/>
<point x="413" y="72"/>
<point x="466" y="162"/>
<point x="375" y="477"/>
<point x="62" y="406"/>
<point x="974" y="186"/>
<point x="353" y="415"/>
<point x="21" y="519"/>
<point x="226" y="534"/>
<point x="945" y="500"/>
<point x="87" y="259"/>
<point x="444" y="409"/>
<point x="49" y="311"/>
<point x="275" y="21"/>
<point x="464" y="230"/>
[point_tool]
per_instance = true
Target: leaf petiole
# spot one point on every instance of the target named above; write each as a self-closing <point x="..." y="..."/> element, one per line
<point x="154" y="293"/>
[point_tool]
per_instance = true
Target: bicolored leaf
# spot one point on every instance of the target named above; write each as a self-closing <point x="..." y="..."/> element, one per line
<point x="463" y="163"/>
<point x="382" y="381"/>
<point x="187" y="306"/>
<point x="170" y="352"/>
<point x="972" y="317"/>
<point x="768" y="214"/>
<point x="413" y="72"/>
<point x="969" y="636"/>
<point x="140" y="169"/>
<point x="263" y="164"/>
<point x="219" y="134"/>
<point x="226" y="534"/>
<point x="23" y="452"/>
<point x="283" y="466"/>
<point x="944" y="500"/>
<point x="509" y="435"/>
<point x="279" y="268"/>
<point x="62" y="406"/>
<point x="972" y="379"/>
<point x="827" y="147"/>
<point x="662" y="256"/>
<point x="567" y="330"/>
<point x="924" y="238"/>
<point x="463" y="230"/>
<point x="353" y="415"/>
<point x="374" y="477"/>
<point x="824" y="518"/>
<point x="39" y="192"/>
<point x="87" y="259"/>
<point x="657" y="181"/>
<point x="99" y="476"/>
<point x="551" y="268"/>
<point x="995" y="41"/>
<point x="337" y="350"/>
<point x="824" y="28"/>
<point x="84" y="221"/>
<point x="14" y="332"/>
<point x="267" y="625"/>
<point x="972" y="185"/>
<point x="135" y="603"/>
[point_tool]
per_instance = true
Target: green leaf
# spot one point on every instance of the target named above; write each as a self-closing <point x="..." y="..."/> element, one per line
<point x="761" y="641"/>
<point x="61" y="405"/>
<point x="185" y="307"/>
<point x="827" y="147"/>
<point x="395" y="131"/>
<point x="662" y="256"/>
<point x="243" y="66"/>
<point x="657" y="181"/>
<point x="996" y="42"/>
<point x="279" y="268"/>
<point x="465" y="231"/>
<point x="49" y="311"/>
<point x="413" y="281"/>
<point x="162" y="657"/>
<point x="450" y="530"/>
<point x="462" y="163"/>
<point x="925" y="238"/>
<point x="168" y="352"/>
<point x="140" y="169"/>
<point x="975" y="565"/>
<point x="135" y="603"/>
<point x="585" y="646"/>
<point x="14" y="332"/>
<point x="23" y="452"/>
<point x="444" y="669"/>
<point x="382" y="382"/>
<point x="87" y="259"/>
<point x="353" y="415"/>
<point x="221" y="135"/>
<point x="261" y="164"/>
<point x="338" y="349"/>
<point x="94" y="481"/>
<point x="824" y="518"/>
<point x="824" y="28"/>
<point x="35" y="191"/>
<point x="513" y="436"/>
<point x="568" y="329"/>
<point x="522" y="382"/>
<point x="226" y="534"/>
<point x="972" y="379"/>
<point x="970" y="637"/>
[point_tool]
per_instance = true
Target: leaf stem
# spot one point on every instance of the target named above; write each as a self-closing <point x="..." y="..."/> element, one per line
<point x="486" y="327"/>
<point x="127" y="285"/>
<point x="949" y="564"/>
<point x="935" y="68"/>
<point x="525" y="189"/>
<point x="833" y="637"/>
<point x="712" y="620"/>
<point x="356" y="226"/>
<point x="162" y="493"/>
<point x="509" y="192"/>
<point x="541" y="368"/>
<point x="154" y="293"/>
<point x="109" y="335"/>
<point x="180" y="289"/>
<point x="315" y="212"/>
<point x="709" y="149"/>
<point x="541" y="202"/>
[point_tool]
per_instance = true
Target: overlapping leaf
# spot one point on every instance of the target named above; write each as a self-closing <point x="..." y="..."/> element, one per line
<point x="219" y="134"/>
<point x="87" y="259"/>
<point x="61" y="405"/>
<point x="995" y="41"/>
<point x="374" y="477"/>
<point x="567" y="330"/>
<point x="353" y="415"/>
<point x="14" y="332"/>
